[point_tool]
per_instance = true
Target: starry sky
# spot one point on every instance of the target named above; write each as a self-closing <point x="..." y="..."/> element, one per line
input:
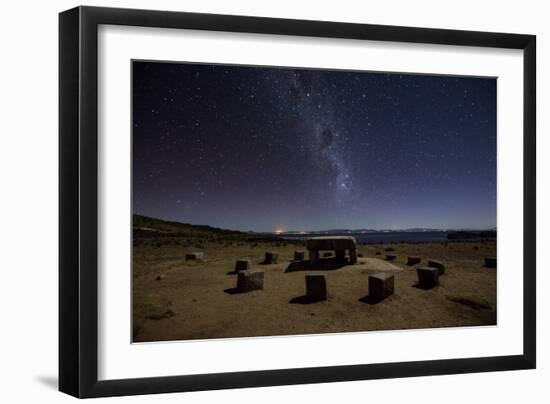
<point x="264" y="148"/>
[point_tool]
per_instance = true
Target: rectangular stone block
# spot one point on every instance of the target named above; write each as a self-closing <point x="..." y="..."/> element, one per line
<point x="437" y="264"/>
<point x="428" y="277"/>
<point x="340" y="255"/>
<point x="316" y="287"/>
<point x="353" y="256"/>
<point x="331" y="243"/>
<point x="491" y="262"/>
<point x="380" y="286"/>
<point x="242" y="265"/>
<point x="313" y="256"/>
<point x="271" y="258"/>
<point x="413" y="260"/>
<point x="197" y="256"/>
<point x="299" y="255"/>
<point x="248" y="281"/>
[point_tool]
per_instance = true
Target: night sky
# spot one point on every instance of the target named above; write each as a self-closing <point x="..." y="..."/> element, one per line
<point x="256" y="148"/>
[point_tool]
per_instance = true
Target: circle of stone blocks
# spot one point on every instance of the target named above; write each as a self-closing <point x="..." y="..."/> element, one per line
<point x="413" y="260"/>
<point x="271" y="258"/>
<point x="316" y="287"/>
<point x="491" y="262"/>
<point x="390" y="257"/>
<point x="299" y="255"/>
<point x="242" y="265"/>
<point x="437" y="264"/>
<point x="249" y="280"/>
<point x="428" y="277"/>
<point x="381" y="285"/>
<point x="194" y="256"/>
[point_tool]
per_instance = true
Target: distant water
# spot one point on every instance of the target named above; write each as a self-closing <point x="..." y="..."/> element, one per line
<point x="387" y="237"/>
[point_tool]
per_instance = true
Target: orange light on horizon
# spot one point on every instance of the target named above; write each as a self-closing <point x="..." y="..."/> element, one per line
<point x="279" y="231"/>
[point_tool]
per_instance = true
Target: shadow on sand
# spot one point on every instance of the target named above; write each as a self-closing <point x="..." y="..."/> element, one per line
<point x="305" y="300"/>
<point x="420" y="286"/>
<point x="326" y="264"/>
<point x="233" y="291"/>
<point x="368" y="299"/>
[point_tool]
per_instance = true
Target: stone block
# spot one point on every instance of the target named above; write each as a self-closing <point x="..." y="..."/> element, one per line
<point x="194" y="256"/>
<point x="313" y="256"/>
<point x="428" y="277"/>
<point x="353" y="256"/>
<point x="491" y="262"/>
<point x="242" y="265"/>
<point x="413" y="260"/>
<point x="271" y="258"/>
<point x="390" y="257"/>
<point x="437" y="264"/>
<point x="331" y="243"/>
<point x="316" y="287"/>
<point x="249" y="280"/>
<point x="299" y="255"/>
<point x="381" y="285"/>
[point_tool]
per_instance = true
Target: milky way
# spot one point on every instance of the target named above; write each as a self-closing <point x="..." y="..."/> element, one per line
<point x="256" y="148"/>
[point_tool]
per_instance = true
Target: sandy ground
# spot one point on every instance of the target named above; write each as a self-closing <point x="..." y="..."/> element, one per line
<point x="175" y="299"/>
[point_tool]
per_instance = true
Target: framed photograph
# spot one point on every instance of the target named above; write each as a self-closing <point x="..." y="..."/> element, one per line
<point x="251" y="201"/>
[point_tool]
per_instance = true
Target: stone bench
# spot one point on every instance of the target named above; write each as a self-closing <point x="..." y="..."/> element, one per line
<point x="428" y="277"/>
<point x="437" y="264"/>
<point x="250" y="280"/>
<point x="196" y="256"/>
<point x="316" y="288"/>
<point x="338" y="244"/>
<point x="381" y="285"/>
<point x="413" y="260"/>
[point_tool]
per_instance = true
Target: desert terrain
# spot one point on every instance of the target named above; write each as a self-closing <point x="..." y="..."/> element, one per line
<point x="178" y="299"/>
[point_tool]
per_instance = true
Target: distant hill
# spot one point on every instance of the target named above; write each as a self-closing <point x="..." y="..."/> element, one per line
<point x="144" y="226"/>
<point x="472" y="235"/>
<point x="358" y="231"/>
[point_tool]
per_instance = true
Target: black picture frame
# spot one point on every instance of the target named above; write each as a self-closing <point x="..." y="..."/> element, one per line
<point x="78" y="201"/>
